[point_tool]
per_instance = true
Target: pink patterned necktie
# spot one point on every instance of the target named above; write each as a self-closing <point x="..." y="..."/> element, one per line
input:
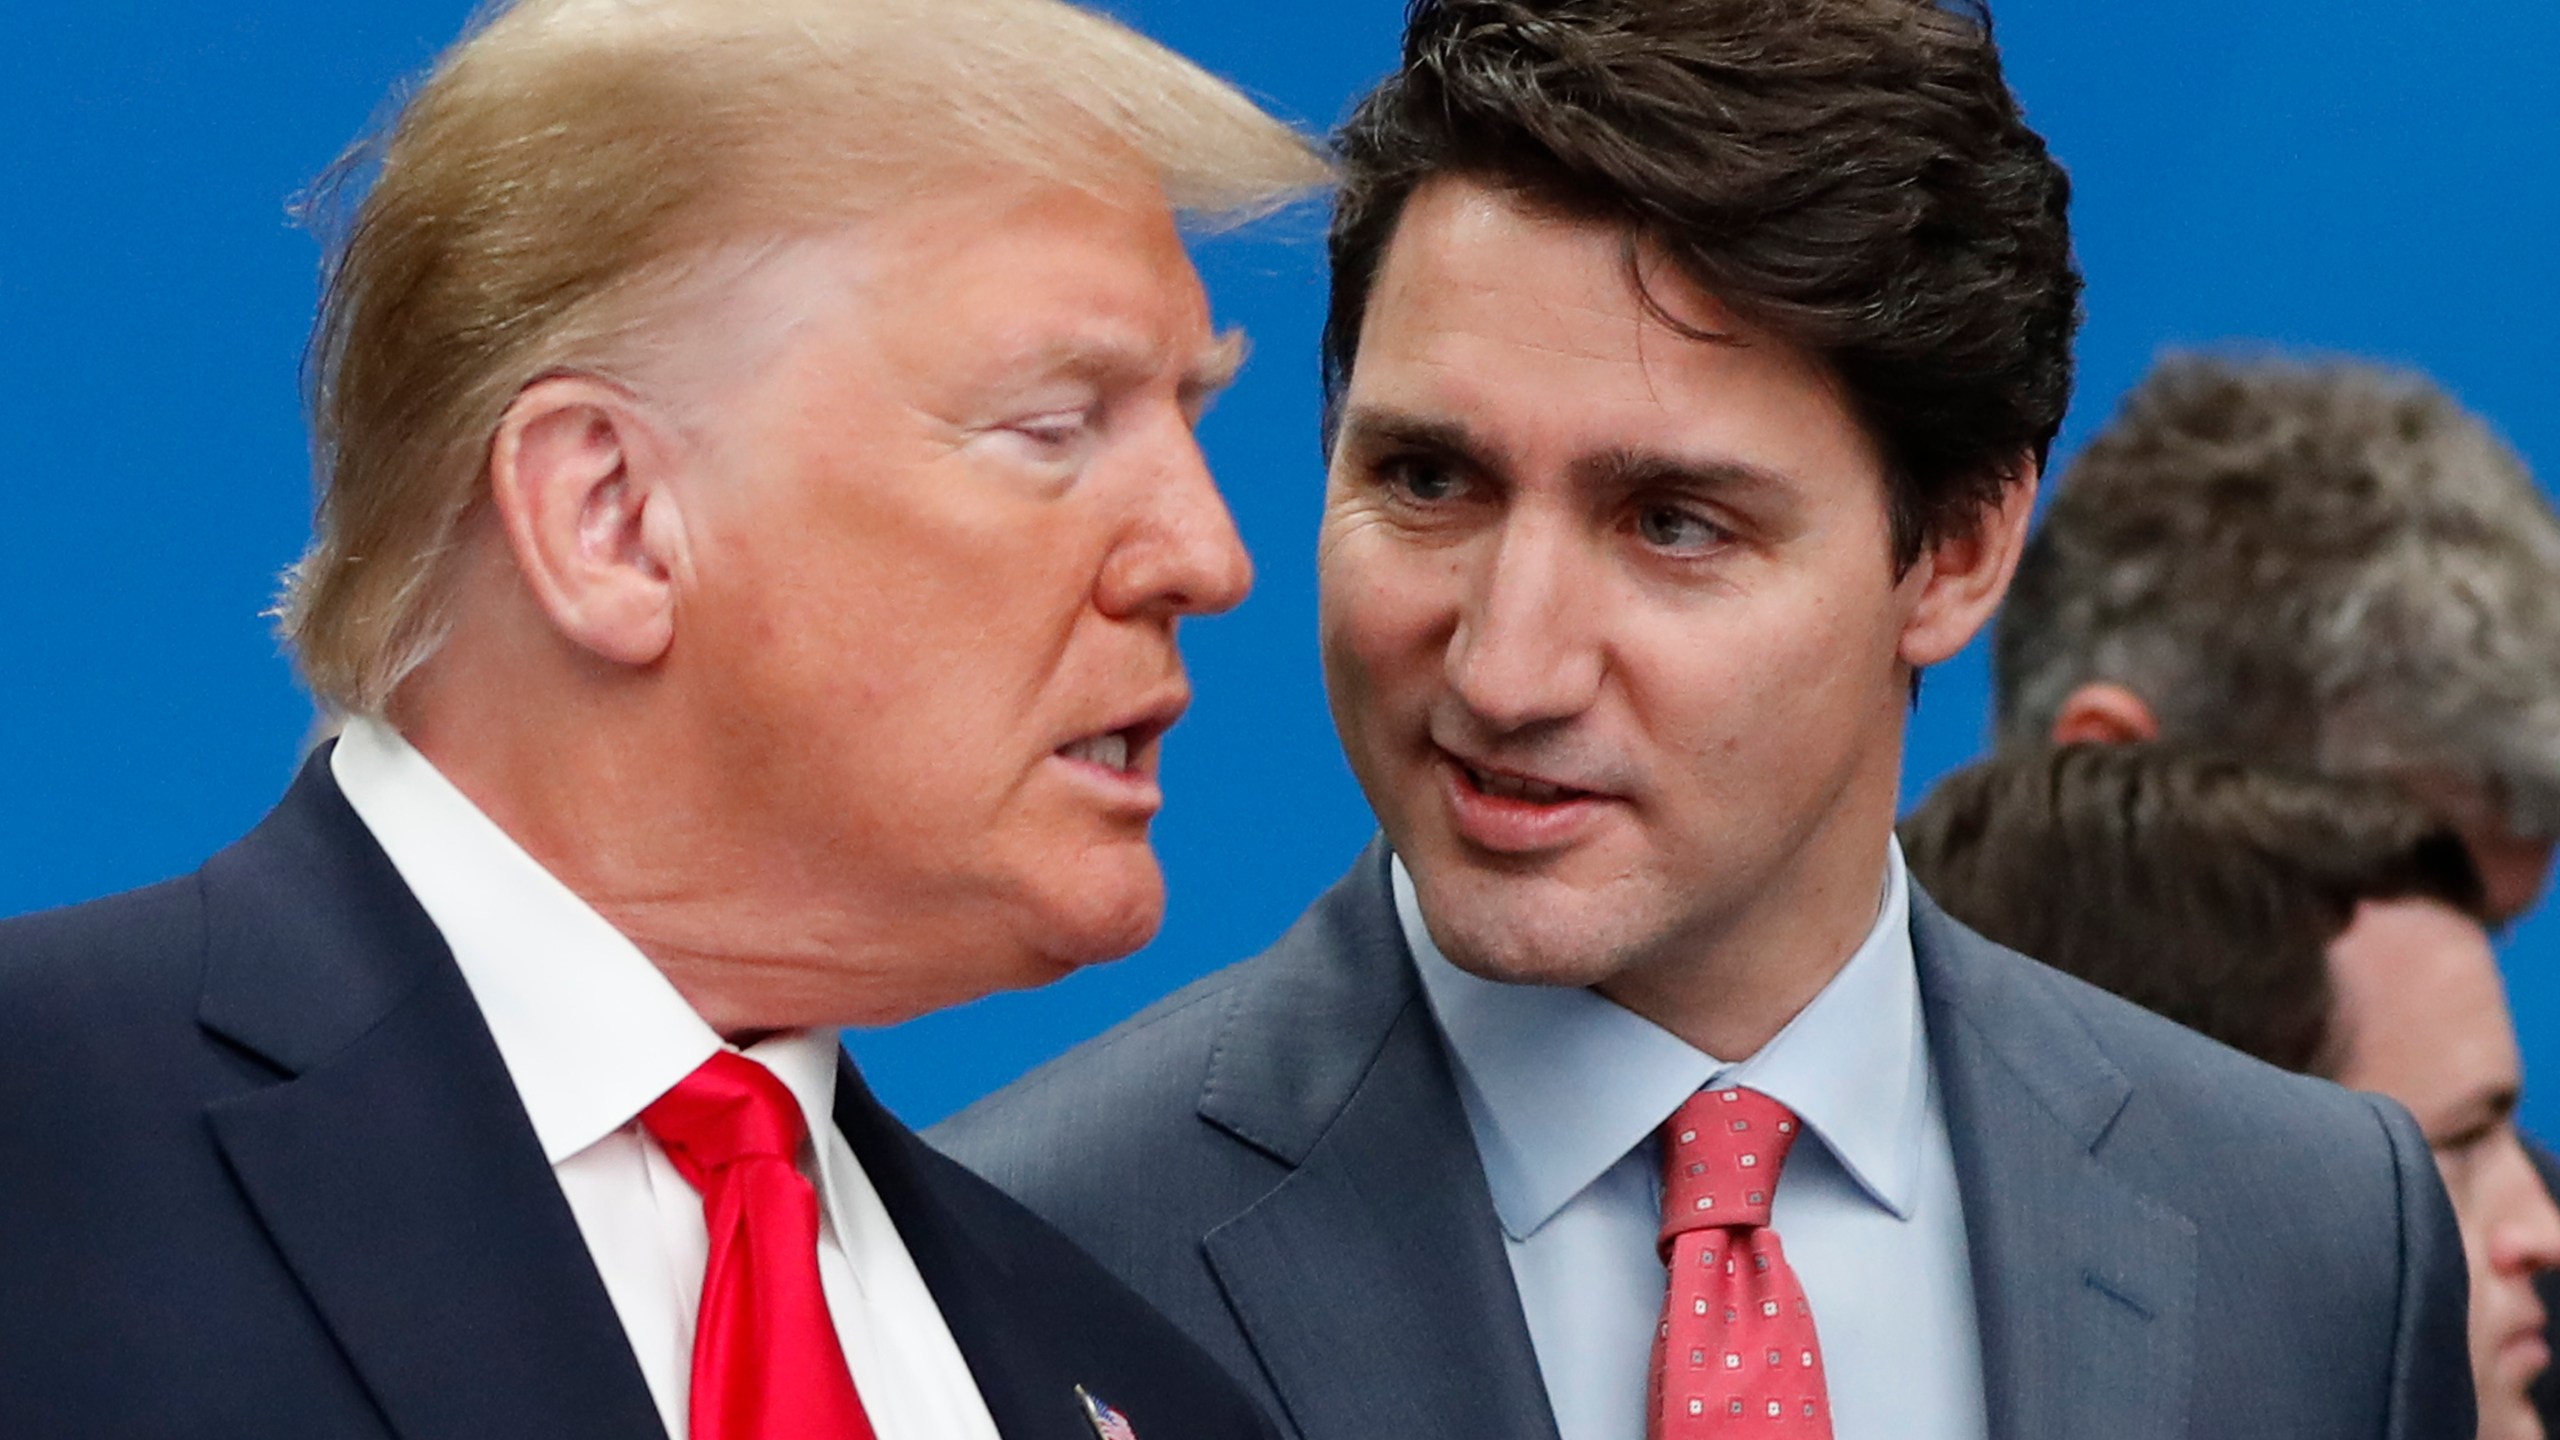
<point x="1735" y="1354"/>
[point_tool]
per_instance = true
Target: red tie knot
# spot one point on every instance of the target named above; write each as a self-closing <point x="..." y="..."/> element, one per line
<point x="1721" y="1154"/>
<point x="729" y="1109"/>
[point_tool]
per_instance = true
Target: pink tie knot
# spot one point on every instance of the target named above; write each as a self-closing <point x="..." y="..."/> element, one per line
<point x="729" y="1109"/>
<point x="1721" y="1154"/>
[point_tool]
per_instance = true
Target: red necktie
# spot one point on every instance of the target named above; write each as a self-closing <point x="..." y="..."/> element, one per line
<point x="767" y="1364"/>
<point x="1735" y="1354"/>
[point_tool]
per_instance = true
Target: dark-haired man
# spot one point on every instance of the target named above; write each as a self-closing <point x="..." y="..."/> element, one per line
<point x="1690" y="364"/>
<point x="2326" y="925"/>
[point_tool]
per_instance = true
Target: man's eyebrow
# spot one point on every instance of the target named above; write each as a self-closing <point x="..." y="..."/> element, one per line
<point x="1617" y="468"/>
<point x="2483" y="1112"/>
<point x="1216" y="367"/>
<point x="1624" y="470"/>
<point x="1106" y="357"/>
<point x="1110" y="361"/>
<point x="1378" y="428"/>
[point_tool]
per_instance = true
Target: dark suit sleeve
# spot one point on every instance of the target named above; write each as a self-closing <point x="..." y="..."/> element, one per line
<point x="2431" y="1395"/>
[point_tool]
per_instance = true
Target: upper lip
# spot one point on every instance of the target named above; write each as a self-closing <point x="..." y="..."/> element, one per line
<point x="1513" y="772"/>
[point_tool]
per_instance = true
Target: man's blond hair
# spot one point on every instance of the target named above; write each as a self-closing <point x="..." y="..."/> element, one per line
<point x="570" y="163"/>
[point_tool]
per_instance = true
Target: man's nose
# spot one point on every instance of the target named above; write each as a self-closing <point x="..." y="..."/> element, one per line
<point x="1181" y="554"/>
<point x="2525" y="1233"/>
<point x="1525" y="650"/>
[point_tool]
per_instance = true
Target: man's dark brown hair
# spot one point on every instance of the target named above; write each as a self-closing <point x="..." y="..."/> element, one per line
<point x="1852" y="175"/>
<point x="2197" y="886"/>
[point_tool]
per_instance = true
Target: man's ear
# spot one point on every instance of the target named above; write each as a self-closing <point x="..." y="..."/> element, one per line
<point x="2102" y="712"/>
<point x="581" y="474"/>
<point x="1964" y="574"/>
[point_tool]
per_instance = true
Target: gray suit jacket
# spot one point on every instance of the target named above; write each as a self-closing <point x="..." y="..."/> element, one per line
<point x="2168" y="1238"/>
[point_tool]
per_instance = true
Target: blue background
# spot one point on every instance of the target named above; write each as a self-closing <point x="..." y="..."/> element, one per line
<point x="2342" y="174"/>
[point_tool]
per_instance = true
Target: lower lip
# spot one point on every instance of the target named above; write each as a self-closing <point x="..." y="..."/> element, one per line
<point x="1507" y="826"/>
<point x="2530" y="1350"/>
<point x="1129" y="790"/>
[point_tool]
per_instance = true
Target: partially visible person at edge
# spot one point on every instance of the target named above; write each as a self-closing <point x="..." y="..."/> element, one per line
<point x="758" y="498"/>
<point x="1690" y="367"/>
<point x="2326" y="925"/>
<point x="2318" y="563"/>
<point x="2323" y="563"/>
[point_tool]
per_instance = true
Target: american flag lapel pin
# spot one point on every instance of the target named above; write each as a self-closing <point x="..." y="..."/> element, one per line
<point x="1107" y="1423"/>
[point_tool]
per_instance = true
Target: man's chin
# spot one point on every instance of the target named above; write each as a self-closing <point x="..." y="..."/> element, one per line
<point x="1524" y="926"/>
<point x="1518" y="950"/>
<point x="2509" y="1415"/>
<point x="1115" y="909"/>
<point x="1055" y="949"/>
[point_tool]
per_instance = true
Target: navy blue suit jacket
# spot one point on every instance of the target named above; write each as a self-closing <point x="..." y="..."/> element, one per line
<point x="2168" y="1239"/>
<point x="263" y="1176"/>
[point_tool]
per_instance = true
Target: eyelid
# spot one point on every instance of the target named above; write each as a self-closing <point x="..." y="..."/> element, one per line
<point x="1064" y="417"/>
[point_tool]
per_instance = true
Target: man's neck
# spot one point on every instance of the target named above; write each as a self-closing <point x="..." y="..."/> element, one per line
<point x="753" y="951"/>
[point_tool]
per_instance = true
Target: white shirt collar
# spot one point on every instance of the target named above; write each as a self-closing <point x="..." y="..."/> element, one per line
<point x="1561" y="1083"/>
<point x="590" y="1030"/>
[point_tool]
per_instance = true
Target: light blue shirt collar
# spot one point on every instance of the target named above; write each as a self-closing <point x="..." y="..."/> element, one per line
<point x="1560" y="1083"/>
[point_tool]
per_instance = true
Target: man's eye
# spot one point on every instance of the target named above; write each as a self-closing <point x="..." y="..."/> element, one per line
<point x="1668" y="527"/>
<point x="1055" y="433"/>
<point x="2462" y="1142"/>
<point x="1421" y="480"/>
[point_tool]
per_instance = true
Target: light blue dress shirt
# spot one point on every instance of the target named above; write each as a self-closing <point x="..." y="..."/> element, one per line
<point x="1565" y="1090"/>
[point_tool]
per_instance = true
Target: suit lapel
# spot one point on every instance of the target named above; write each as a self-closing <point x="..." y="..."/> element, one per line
<point x="391" y="1161"/>
<point x="1028" y="1387"/>
<point x="1372" y="1282"/>
<point x="2085" y="1288"/>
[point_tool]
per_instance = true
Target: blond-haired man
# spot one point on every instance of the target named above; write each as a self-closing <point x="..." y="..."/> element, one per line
<point x="759" y="496"/>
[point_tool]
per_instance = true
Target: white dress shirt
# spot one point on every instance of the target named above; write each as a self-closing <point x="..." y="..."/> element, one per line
<point x="1565" y="1091"/>
<point x="592" y="1033"/>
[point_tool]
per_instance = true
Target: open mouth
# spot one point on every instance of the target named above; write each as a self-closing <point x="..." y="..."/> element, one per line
<point x="1128" y="749"/>
<point x="1111" y="751"/>
<point x="1504" y="786"/>
<point x="1504" y="812"/>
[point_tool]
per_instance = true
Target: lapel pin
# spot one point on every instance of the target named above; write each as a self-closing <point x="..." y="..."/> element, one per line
<point x="1107" y="1423"/>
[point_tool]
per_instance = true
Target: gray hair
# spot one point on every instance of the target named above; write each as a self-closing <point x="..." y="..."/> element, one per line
<point x="2327" y="563"/>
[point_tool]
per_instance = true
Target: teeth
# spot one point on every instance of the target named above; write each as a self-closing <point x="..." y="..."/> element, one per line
<point x="1513" y="788"/>
<point x="1110" y="750"/>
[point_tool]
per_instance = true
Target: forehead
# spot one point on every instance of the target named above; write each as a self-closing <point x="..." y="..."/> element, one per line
<point x="999" y="245"/>
<point x="1484" y="301"/>
<point x="988" y="278"/>
<point x="2419" y="1004"/>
